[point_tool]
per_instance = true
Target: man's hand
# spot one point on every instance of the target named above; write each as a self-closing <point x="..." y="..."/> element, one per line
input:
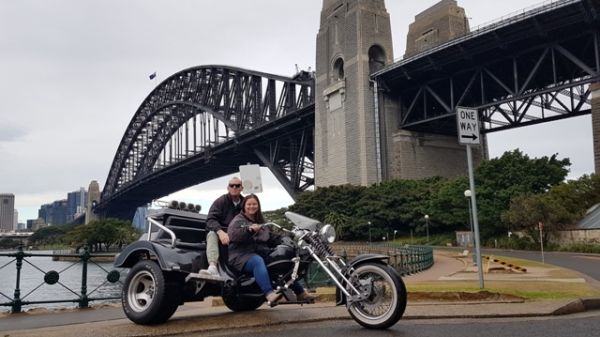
<point x="223" y="237"/>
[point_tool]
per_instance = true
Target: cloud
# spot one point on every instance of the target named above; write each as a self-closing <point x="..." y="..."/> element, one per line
<point x="11" y="133"/>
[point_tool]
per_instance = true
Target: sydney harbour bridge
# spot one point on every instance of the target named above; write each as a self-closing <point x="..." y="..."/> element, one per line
<point x="203" y="122"/>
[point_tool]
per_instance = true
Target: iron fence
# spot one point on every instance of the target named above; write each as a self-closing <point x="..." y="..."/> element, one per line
<point x="405" y="259"/>
<point x="52" y="277"/>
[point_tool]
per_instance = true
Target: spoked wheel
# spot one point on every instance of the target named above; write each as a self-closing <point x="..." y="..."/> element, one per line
<point x="146" y="297"/>
<point x="385" y="296"/>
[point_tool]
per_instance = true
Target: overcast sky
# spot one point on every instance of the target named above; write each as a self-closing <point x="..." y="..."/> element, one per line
<point x="73" y="72"/>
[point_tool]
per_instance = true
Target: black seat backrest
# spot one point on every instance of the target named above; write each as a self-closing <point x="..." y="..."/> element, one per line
<point x="187" y="230"/>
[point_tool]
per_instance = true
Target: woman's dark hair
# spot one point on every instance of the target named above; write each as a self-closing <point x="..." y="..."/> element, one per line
<point x="259" y="217"/>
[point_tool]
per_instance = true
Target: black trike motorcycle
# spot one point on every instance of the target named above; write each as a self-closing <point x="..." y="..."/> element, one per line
<point x="165" y="262"/>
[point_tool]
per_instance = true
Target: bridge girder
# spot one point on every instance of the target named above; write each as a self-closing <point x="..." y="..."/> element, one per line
<point x="528" y="69"/>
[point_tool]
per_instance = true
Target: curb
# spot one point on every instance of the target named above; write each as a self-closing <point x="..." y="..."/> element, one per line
<point x="577" y="306"/>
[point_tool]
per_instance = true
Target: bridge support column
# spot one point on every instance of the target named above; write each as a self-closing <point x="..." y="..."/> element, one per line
<point x="354" y="40"/>
<point x="595" y="89"/>
<point x="416" y="155"/>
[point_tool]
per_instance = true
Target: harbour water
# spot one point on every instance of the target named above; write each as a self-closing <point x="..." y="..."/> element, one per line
<point x="69" y="285"/>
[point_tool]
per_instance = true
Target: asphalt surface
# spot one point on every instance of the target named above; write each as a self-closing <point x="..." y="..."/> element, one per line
<point x="199" y="317"/>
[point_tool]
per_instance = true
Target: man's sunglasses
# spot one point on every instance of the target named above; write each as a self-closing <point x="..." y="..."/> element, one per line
<point x="235" y="185"/>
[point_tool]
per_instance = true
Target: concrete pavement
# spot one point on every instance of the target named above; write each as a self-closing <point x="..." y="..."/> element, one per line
<point x="202" y="316"/>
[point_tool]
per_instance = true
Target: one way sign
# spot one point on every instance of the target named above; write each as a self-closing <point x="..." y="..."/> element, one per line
<point x="468" y="125"/>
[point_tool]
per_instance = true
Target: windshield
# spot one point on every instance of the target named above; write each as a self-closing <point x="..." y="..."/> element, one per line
<point x="302" y="221"/>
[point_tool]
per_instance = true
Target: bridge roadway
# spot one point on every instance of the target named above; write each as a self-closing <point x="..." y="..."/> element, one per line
<point x="201" y="317"/>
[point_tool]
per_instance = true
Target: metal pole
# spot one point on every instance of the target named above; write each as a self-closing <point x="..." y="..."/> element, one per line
<point x="471" y="228"/>
<point x="16" y="304"/>
<point x="474" y="212"/>
<point x="540" y="226"/>
<point x="85" y="256"/>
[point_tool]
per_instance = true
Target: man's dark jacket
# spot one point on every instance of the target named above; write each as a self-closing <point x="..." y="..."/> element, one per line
<point x="221" y="212"/>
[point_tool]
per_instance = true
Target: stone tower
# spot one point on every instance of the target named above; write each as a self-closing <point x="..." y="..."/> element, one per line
<point x="437" y="24"/>
<point x="354" y="40"/>
<point x="93" y="197"/>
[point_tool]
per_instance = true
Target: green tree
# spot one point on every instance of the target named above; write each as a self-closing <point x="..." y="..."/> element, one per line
<point x="511" y="175"/>
<point x="47" y="236"/>
<point x="339" y="222"/>
<point x="8" y="243"/>
<point x="277" y="216"/>
<point x="527" y="211"/>
<point x="317" y="204"/>
<point x="102" y="234"/>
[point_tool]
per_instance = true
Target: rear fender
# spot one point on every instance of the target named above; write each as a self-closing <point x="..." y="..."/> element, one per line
<point x="168" y="258"/>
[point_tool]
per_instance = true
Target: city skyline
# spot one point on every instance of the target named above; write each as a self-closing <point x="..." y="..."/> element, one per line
<point x="76" y="71"/>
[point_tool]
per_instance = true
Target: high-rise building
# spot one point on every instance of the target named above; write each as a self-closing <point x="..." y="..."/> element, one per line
<point x="16" y="220"/>
<point x="54" y="213"/>
<point x="139" y="219"/>
<point x="7" y="212"/>
<point x="35" y="224"/>
<point x="76" y="203"/>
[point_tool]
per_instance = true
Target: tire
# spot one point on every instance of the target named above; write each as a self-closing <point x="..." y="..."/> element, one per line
<point x="243" y="303"/>
<point x="386" y="302"/>
<point x="146" y="296"/>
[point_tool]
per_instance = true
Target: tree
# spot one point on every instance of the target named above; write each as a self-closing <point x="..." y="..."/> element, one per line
<point x="8" y="243"/>
<point x="47" y="236"/>
<point x="339" y="222"/>
<point x="277" y="216"/>
<point x="511" y="175"/>
<point x="560" y="207"/>
<point x="527" y="211"/>
<point x="103" y="233"/>
<point x="317" y="204"/>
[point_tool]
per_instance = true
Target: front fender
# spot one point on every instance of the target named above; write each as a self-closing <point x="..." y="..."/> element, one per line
<point x="340" y="298"/>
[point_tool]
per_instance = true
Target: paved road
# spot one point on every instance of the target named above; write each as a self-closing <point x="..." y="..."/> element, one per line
<point x="587" y="264"/>
<point x="580" y="325"/>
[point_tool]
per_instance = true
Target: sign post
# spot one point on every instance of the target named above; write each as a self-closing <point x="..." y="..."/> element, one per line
<point x="467" y="123"/>
<point x="541" y="228"/>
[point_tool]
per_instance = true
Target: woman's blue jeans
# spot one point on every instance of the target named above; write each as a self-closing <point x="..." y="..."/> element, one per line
<point x="256" y="266"/>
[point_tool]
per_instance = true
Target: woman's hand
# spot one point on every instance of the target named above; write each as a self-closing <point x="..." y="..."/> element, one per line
<point x="255" y="227"/>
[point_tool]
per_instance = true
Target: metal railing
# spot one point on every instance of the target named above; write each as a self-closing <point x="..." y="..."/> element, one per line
<point x="405" y="259"/>
<point x="51" y="277"/>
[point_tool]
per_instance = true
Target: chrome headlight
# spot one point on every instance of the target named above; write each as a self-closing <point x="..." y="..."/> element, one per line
<point x="327" y="233"/>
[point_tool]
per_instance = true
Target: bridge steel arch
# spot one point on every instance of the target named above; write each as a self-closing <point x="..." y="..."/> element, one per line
<point x="202" y="123"/>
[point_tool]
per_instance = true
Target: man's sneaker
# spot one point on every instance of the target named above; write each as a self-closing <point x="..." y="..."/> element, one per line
<point x="212" y="270"/>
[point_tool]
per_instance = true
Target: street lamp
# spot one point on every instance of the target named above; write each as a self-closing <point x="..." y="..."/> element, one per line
<point x="369" y="231"/>
<point x="427" y="226"/>
<point x="395" y="231"/>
